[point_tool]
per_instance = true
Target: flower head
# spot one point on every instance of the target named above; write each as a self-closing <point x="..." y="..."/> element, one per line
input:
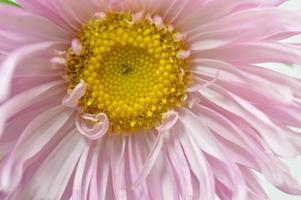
<point x="145" y="99"/>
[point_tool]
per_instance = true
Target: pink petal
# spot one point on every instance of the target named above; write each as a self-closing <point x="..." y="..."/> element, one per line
<point x="20" y="23"/>
<point x="254" y="53"/>
<point x="201" y="134"/>
<point x="81" y="175"/>
<point x="151" y="159"/>
<point x="272" y="134"/>
<point x="23" y="100"/>
<point x="202" y="12"/>
<point x="180" y="167"/>
<point x="15" y="126"/>
<point x="136" y="156"/>
<point x="35" y="136"/>
<point x="11" y="62"/>
<point x="240" y="27"/>
<point x="117" y="151"/>
<point x="67" y="14"/>
<point x="199" y="166"/>
<point x="59" y="165"/>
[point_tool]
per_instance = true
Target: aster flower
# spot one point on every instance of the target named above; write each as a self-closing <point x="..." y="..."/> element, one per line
<point x="145" y="99"/>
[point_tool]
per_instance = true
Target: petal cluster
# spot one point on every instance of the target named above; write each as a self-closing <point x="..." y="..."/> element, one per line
<point x="237" y="119"/>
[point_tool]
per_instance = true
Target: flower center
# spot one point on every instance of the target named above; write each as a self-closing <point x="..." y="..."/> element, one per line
<point x="133" y="70"/>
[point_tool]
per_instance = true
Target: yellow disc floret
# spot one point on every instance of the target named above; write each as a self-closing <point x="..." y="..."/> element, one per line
<point x="131" y="70"/>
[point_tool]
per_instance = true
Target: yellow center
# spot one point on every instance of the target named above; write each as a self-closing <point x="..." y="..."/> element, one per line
<point x="131" y="70"/>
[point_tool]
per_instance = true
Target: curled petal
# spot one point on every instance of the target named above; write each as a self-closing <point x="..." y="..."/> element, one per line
<point x="77" y="93"/>
<point x="169" y="120"/>
<point x="92" y="126"/>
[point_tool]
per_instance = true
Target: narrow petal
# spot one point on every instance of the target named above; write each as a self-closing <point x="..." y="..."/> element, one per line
<point x="151" y="159"/>
<point x="239" y="27"/>
<point x="36" y="135"/>
<point x="200" y="133"/>
<point x="21" y="23"/>
<point x="117" y="152"/>
<point x="82" y="174"/>
<point x="14" y="60"/>
<point x="25" y="99"/>
<point x="52" y="177"/>
<point x="180" y="167"/>
<point x="199" y="167"/>
<point x="253" y="53"/>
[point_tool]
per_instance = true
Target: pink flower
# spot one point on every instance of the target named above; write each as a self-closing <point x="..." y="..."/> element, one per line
<point x="147" y="99"/>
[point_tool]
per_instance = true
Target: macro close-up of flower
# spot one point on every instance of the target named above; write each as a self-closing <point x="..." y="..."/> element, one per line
<point x="148" y="99"/>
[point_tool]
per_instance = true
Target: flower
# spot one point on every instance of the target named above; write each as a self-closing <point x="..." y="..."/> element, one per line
<point x="145" y="99"/>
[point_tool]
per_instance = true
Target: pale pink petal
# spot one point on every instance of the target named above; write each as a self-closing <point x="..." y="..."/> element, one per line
<point x="15" y="126"/>
<point x="35" y="136"/>
<point x="117" y="157"/>
<point x="256" y="190"/>
<point x="270" y="132"/>
<point x="201" y="134"/>
<point x="44" y="9"/>
<point x="79" y="191"/>
<point x="199" y="166"/>
<point x="164" y="186"/>
<point x="151" y="159"/>
<point x="253" y="53"/>
<point x="104" y="173"/>
<point x="23" y="100"/>
<point x="89" y="181"/>
<point x="25" y="27"/>
<point x="230" y="176"/>
<point x="209" y="11"/>
<point x="235" y="116"/>
<point x="248" y="152"/>
<point x="65" y="13"/>
<point x="14" y="60"/>
<point x="180" y="167"/>
<point x="136" y="157"/>
<point x="52" y="177"/>
<point x="240" y="27"/>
